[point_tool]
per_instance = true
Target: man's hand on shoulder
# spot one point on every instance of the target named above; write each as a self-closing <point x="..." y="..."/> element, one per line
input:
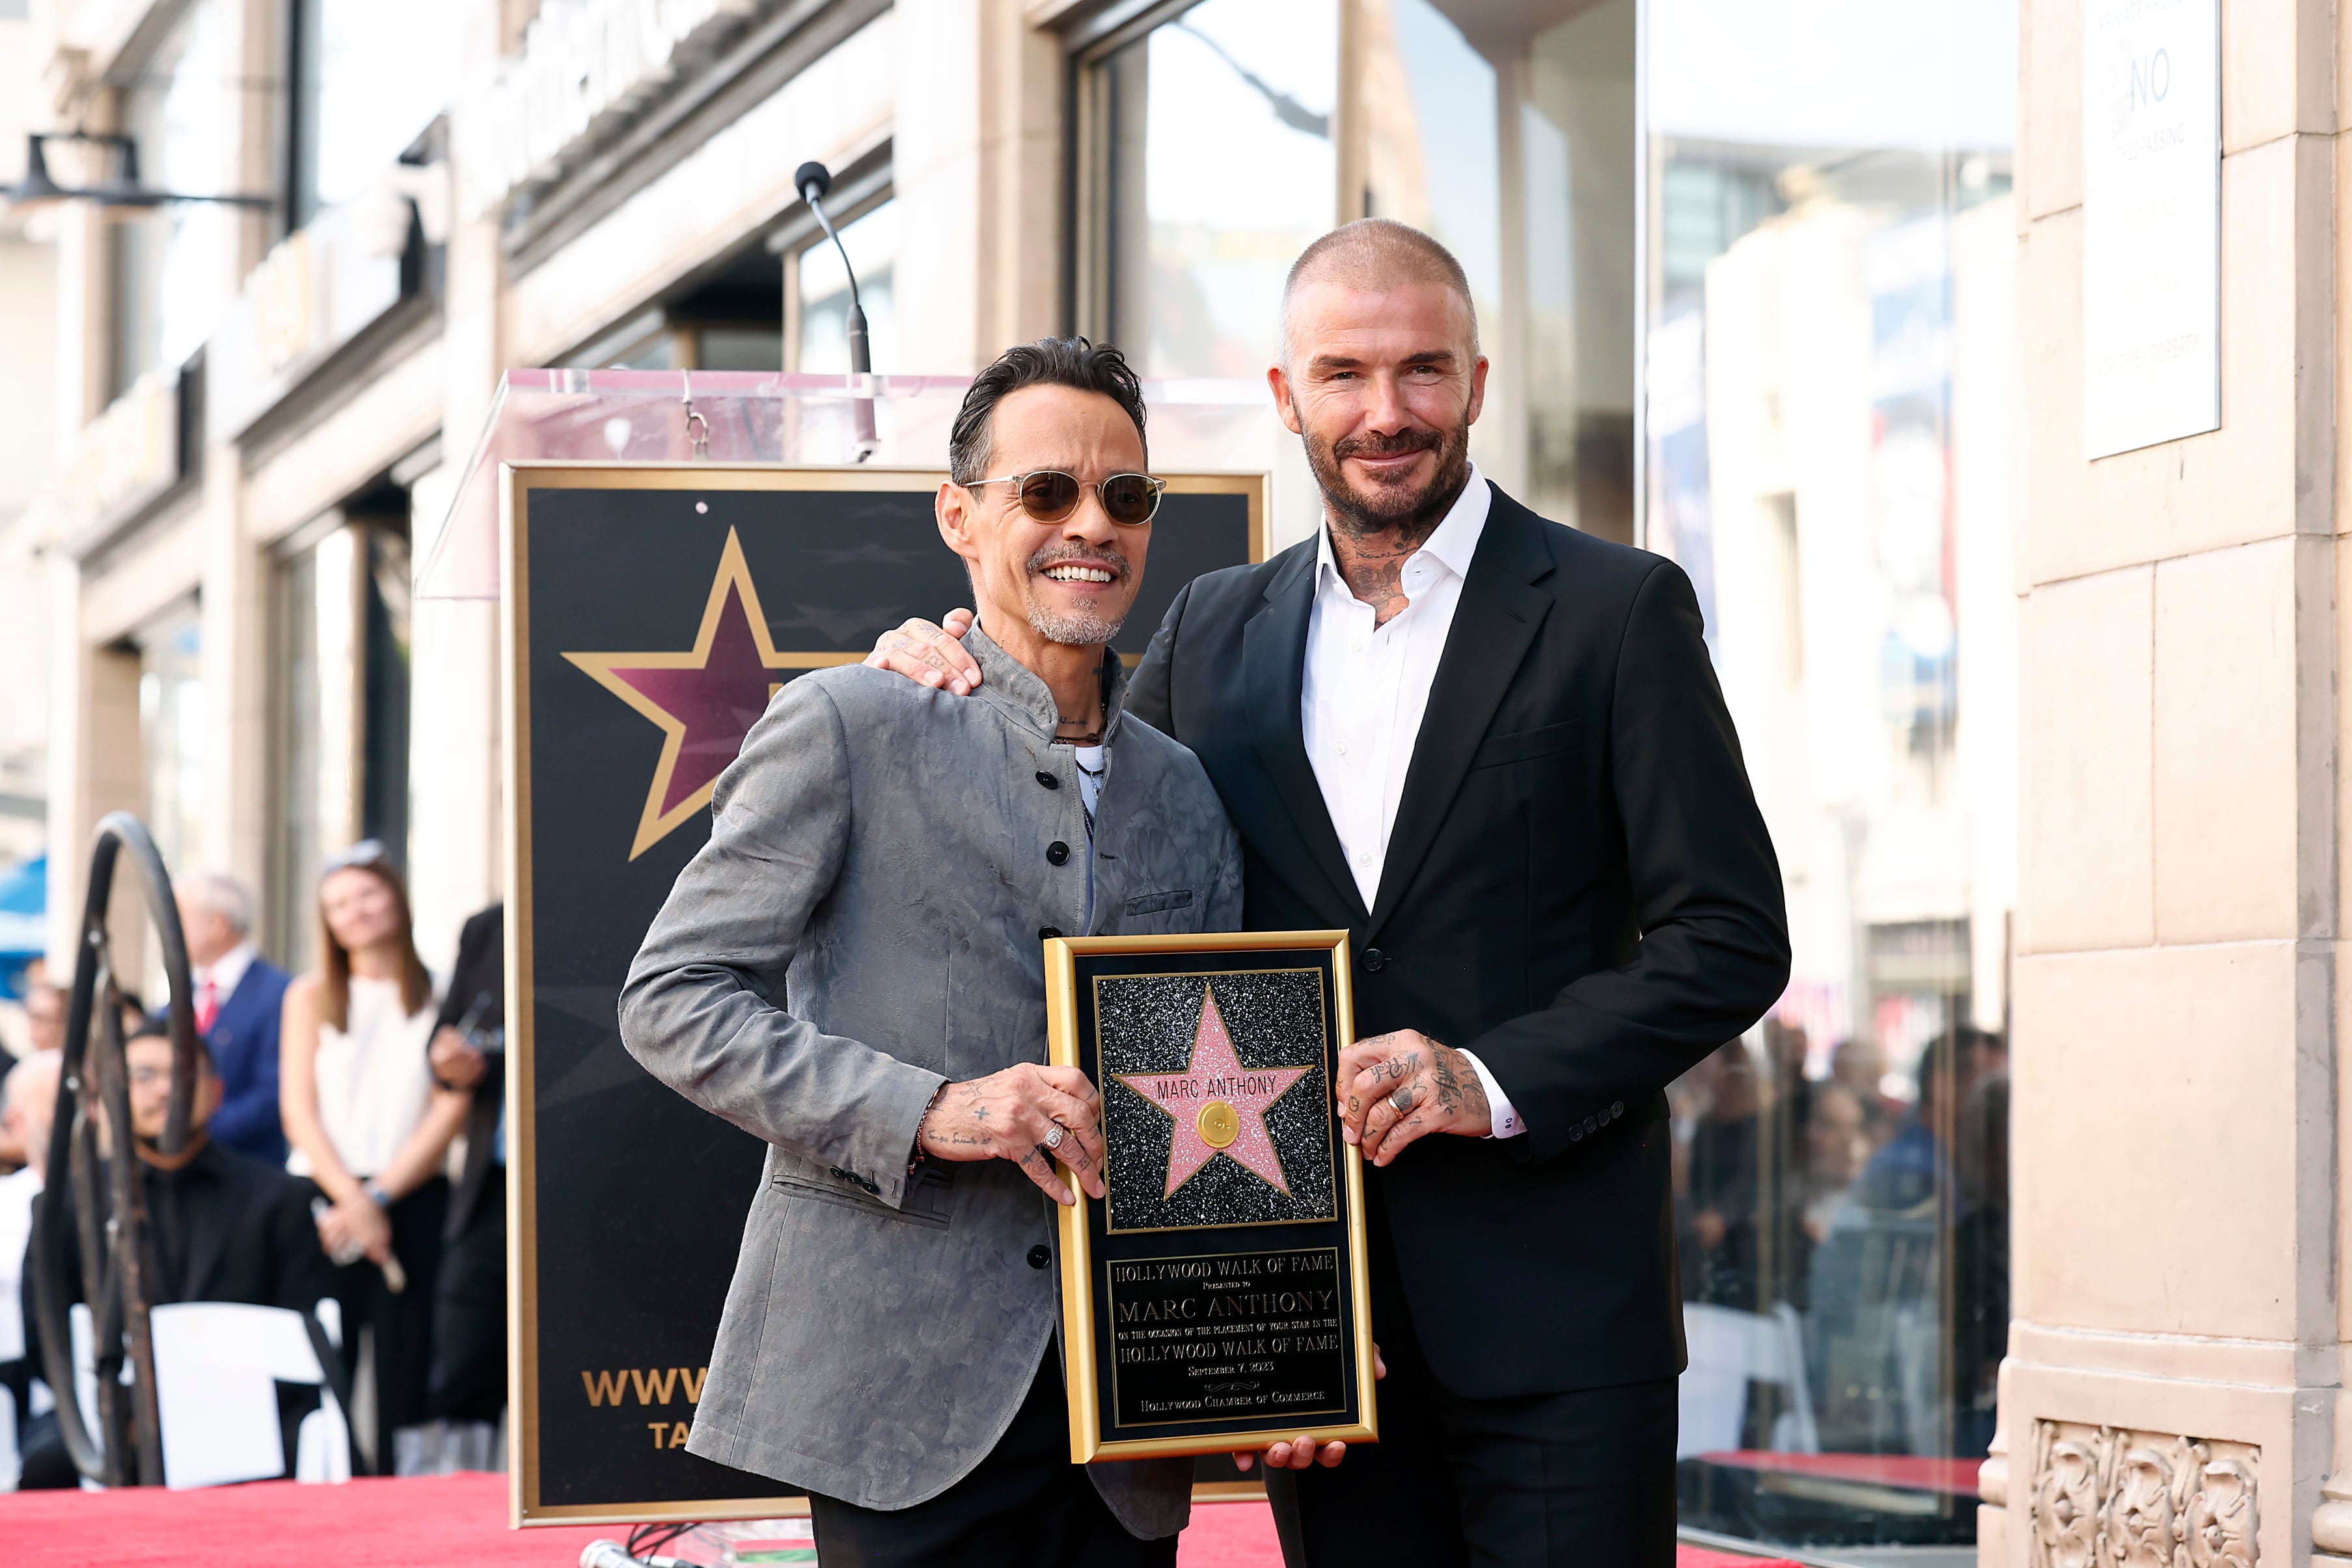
<point x="932" y="655"/>
<point x="1029" y="1115"/>
<point x="1395" y="1088"/>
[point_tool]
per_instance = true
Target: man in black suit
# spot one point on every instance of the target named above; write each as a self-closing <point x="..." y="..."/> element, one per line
<point x="1494" y="748"/>
<point x="470" y="1309"/>
<point x="225" y="1226"/>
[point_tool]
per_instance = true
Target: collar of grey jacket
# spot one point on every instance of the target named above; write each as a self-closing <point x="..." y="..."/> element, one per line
<point x="1022" y="692"/>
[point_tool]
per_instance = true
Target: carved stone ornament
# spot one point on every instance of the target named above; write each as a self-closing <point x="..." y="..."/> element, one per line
<point x="2105" y="1497"/>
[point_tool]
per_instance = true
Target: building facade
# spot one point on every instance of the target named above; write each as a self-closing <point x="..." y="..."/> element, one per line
<point x="1790" y="290"/>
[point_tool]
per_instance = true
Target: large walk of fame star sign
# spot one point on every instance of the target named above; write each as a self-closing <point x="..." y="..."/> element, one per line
<point x="650" y="613"/>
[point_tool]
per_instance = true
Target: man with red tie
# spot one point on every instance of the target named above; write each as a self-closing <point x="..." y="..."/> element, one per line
<point x="239" y="998"/>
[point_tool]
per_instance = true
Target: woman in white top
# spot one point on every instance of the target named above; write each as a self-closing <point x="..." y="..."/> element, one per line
<point x="369" y="1127"/>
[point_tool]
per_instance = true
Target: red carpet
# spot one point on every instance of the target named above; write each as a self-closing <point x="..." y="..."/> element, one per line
<point x="425" y="1523"/>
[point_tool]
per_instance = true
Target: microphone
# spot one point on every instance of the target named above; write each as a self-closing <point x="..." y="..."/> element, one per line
<point x="813" y="181"/>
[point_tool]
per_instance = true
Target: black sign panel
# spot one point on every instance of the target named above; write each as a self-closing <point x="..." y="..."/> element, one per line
<point x="651" y="612"/>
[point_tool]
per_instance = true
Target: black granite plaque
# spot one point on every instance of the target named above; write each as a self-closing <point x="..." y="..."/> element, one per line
<point x="1231" y="1333"/>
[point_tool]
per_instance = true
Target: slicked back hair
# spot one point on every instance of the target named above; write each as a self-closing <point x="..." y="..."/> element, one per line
<point x="1377" y="254"/>
<point x="1071" y="362"/>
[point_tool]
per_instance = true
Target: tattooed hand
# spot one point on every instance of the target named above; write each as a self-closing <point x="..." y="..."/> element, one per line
<point x="1009" y="1115"/>
<point x="1442" y="1089"/>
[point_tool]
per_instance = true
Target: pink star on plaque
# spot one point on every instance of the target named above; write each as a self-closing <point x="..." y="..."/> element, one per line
<point x="1217" y="1105"/>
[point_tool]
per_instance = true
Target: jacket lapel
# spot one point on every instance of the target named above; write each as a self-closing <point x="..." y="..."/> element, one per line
<point x="1273" y="661"/>
<point x="1494" y="624"/>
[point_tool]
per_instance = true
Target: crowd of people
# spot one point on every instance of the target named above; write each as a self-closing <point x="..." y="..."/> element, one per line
<point x="345" y="1144"/>
<point x="1882" y="1218"/>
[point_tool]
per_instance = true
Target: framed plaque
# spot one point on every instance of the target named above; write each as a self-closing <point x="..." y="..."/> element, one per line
<point x="1214" y="1299"/>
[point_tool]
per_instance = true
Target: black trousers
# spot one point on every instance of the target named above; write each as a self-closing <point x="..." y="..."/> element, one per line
<point x="469" y="1314"/>
<point x="401" y="1325"/>
<point x="1583" y="1479"/>
<point x="1027" y="1506"/>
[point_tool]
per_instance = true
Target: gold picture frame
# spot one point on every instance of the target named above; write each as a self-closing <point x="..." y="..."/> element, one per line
<point x="1080" y="1221"/>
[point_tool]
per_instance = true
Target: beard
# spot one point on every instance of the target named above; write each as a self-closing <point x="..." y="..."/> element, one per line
<point x="1416" y="510"/>
<point x="1078" y="630"/>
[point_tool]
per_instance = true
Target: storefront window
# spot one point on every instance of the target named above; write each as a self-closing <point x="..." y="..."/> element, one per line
<point x="339" y="701"/>
<point x="1217" y="144"/>
<point x="368" y="78"/>
<point x="175" y="264"/>
<point x="821" y="295"/>
<point x="1219" y="134"/>
<point x="172" y="734"/>
<point x="1828" y="378"/>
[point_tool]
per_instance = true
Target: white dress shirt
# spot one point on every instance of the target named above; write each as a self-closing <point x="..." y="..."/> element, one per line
<point x="1366" y="689"/>
<point x="224" y="974"/>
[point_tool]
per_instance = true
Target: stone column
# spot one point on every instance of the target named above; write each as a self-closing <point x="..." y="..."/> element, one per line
<point x="455" y="836"/>
<point x="2170" y="1392"/>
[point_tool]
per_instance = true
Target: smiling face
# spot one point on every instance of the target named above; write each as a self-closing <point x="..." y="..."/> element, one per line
<point x="1384" y="384"/>
<point x="149" y="1057"/>
<point x="1071" y="581"/>
<point x="360" y="909"/>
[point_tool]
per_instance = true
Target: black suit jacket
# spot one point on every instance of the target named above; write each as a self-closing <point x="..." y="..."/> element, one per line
<point x="479" y="979"/>
<point x="1578" y="888"/>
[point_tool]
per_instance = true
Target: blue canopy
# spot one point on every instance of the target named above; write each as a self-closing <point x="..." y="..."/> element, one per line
<point x="24" y="921"/>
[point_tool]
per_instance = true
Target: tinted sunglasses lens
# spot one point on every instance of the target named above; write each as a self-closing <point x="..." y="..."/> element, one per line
<point x="1129" y="498"/>
<point x="1048" y="497"/>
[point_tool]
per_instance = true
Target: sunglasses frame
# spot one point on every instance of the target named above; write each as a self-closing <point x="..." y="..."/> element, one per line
<point x="1018" y="481"/>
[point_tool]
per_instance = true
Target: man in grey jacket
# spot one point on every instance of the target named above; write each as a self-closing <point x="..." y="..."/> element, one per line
<point x="852" y="970"/>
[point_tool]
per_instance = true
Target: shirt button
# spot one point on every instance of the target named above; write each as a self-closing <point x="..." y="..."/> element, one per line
<point x="1357" y="646"/>
<point x="1048" y="933"/>
<point x="1057" y="851"/>
<point x="1048" y="781"/>
<point x="1039" y="1256"/>
<point x="1343" y="749"/>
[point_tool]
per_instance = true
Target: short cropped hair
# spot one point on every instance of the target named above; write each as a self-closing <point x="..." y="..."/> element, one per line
<point x="1377" y="254"/>
<point x="225" y="895"/>
<point x="1048" y="362"/>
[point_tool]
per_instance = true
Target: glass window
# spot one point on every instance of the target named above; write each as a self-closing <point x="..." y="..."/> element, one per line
<point x="1219" y="165"/>
<point x="1218" y="144"/>
<point x="1827" y="376"/>
<point x="171" y="733"/>
<point x="822" y="294"/>
<point x="340" y="707"/>
<point x="368" y="78"/>
<point x="175" y="264"/>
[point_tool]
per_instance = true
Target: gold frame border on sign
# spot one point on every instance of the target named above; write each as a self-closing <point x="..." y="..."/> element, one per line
<point x="1087" y="1441"/>
<point x="517" y="480"/>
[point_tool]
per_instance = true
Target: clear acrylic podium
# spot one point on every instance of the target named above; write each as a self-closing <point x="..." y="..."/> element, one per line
<point x="736" y="416"/>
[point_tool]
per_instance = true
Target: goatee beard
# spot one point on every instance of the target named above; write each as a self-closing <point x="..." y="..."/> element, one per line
<point x="1076" y="631"/>
<point x="1416" y="512"/>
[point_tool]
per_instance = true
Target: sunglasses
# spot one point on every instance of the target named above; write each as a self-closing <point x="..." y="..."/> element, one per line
<point x="1127" y="499"/>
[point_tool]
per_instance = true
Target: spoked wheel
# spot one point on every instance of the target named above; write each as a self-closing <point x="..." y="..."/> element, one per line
<point x="90" y="1158"/>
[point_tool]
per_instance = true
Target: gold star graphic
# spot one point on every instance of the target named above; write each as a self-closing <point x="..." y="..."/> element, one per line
<point x="705" y="699"/>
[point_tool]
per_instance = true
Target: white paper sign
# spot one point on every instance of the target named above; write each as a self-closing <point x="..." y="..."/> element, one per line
<point x="2151" y="223"/>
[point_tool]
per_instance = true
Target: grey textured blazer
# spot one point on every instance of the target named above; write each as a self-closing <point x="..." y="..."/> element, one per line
<point x="862" y="926"/>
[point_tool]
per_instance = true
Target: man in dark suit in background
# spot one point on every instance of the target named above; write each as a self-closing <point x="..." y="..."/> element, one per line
<point x="1494" y="748"/>
<point x="240" y="996"/>
<point x="225" y="1228"/>
<point x="470" y="1309"/>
